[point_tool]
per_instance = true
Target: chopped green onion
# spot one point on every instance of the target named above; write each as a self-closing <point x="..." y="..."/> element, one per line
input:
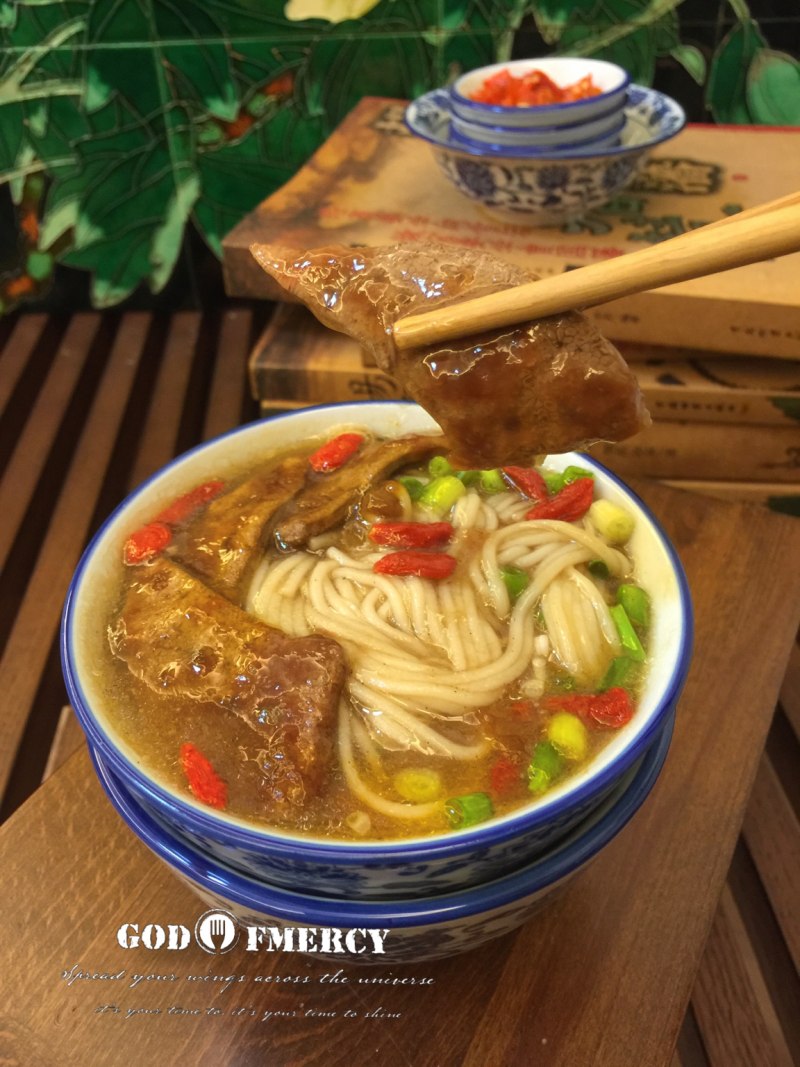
<point x="627" y="634"/>
<point x="469" y="809"/>
<point x="612" y="522"/>
<point x="621" y="671"/>
<point x="568" y="735"/>
<point x="636" y="603"/>
<point x="572" y="473"/>
<point x="516" y="580"/>
<point x="468" y="477"/>
<point x="554" y="480"/>
<point x="413" y="486"/>
<point x="438" y="467"/>
<point x="418" y="784"/>
<point x="440" y="494"/>
<point x="598" y="568"/>
<point x="492" y="481"/>
<point x="546" y="764"/>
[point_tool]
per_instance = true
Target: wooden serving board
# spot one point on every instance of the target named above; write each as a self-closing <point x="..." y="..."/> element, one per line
<point x="601" y="976"/>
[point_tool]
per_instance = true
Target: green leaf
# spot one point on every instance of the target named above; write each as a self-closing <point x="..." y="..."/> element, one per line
<point x="726" y="91"/>
<point x="773" y="88"/>
<point x="692" y="60"/>
<point x="180" y="41"/>
<point x="624" y="32"/>
<point x="138" y="190"/>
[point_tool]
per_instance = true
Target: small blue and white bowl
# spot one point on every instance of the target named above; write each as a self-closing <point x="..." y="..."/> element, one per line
<point x="550" y="187"/>
<point x="601" y="133"/>
<point x="416" y="929"/>
<point x="612" y="81"/>
<point x="370" y="869"/>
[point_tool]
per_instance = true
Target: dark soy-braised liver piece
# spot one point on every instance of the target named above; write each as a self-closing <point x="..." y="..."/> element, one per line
<point x="549" y="386"/>
<point x="191" y="644"/>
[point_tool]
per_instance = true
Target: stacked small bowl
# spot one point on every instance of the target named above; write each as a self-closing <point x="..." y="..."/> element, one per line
<point x="436" y="895"/>
<point x="550" y="163"/>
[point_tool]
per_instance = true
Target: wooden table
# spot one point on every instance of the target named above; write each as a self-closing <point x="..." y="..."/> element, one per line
<point x="601" y="977"/>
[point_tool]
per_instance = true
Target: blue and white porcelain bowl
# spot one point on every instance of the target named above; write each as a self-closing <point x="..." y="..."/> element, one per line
<point x="612" y="80"/>
<point x="370" y="869"/>
<point x="545" y="188"/>
<point x="603" y="132"/>
<point x="415" y="928"/>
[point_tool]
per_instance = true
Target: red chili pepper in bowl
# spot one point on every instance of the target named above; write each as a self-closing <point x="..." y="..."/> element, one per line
<point x="435" y="565"/>
<point x="146" y="542"/>
<point x="334" y="453"/>
<point x="570" y="503"/>
<point x="411" y="534"/>
<point x="203" y="780"/>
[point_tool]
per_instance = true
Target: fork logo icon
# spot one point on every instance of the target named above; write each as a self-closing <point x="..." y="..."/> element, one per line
<point x="216" y="931"/>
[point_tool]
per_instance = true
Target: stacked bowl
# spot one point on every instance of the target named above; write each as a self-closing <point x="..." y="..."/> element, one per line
<point x="544" y="164"/>
<point x="437" y="895"/>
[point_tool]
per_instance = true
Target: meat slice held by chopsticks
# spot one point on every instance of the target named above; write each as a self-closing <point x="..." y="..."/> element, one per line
<point x="548" y="386"/>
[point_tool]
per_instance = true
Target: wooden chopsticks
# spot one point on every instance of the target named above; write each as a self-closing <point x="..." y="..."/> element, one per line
<point x="763" y="232"/>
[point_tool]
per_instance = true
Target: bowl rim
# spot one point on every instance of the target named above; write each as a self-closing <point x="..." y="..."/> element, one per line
<point x="511" y="154"/>
<point x="536" y="130"/>
<point x="545" y="870"/>
<point x="535" y="151"/>
<point x="541" y="109"/>
<point x="227" y="831"/>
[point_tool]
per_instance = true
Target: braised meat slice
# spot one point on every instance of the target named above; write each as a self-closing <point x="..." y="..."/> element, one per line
<point x="326" y="499"/>
<point x="222" y="544"/>
<point x="548" y="386"/>
<point x="185" y="641"/>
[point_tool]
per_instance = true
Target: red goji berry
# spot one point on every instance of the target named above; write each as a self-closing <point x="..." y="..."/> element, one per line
<point x="434" y="565"/>
<point x="331" y="455"/>
<point x="529" y="481"/>
<point x="569" y="504"/>
<point x="183" y="506"/>
<point x="503" y="776"/>
<point x="203" y="780"/>
<point x="612" y="708"/>
<point x="411" y="534"/>
<point x="146" y="542"/>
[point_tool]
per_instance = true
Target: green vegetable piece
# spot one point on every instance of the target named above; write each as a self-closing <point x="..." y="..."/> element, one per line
<point x="621" y="671"/>
<point x="572" y="473"/>
<point x="39" y="265"/>
<point x="546" y="764"/>
<point x="414" y="486"/>
<point x="598" y="568"/>
<point x="627" y="634"/>
<point x="469" y="809"/>
<point x="636" y="603"/>
<point x="516" y="580"/>
<point x="468" y="477"/>
<point x="440" y="494"/>
<point x="554" y="480"/>
<point x="493" y="481"/>
<point x="438" y="467"/>
<point x="565" y="682"/>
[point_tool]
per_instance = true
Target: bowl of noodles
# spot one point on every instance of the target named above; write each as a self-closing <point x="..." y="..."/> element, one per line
<point x="406" y="929"/>
<point x="319" y="654"/>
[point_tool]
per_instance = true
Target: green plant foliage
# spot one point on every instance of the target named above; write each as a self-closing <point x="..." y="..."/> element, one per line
<point x="726" y="92"/>
<point x="773" y="88"/>
<point x="140" y="116"/>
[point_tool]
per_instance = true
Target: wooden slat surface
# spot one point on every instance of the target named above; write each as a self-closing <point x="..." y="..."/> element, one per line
<point x="736" y="1009"/>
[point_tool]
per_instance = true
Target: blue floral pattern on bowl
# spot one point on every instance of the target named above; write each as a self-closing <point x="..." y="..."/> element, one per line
<point x="420" y="928"/>
<point x="546" y="189"/>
